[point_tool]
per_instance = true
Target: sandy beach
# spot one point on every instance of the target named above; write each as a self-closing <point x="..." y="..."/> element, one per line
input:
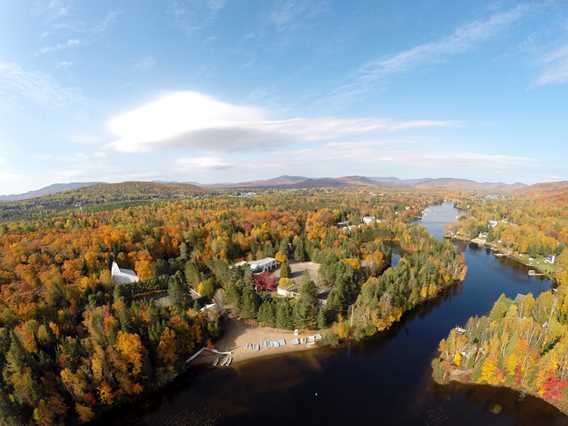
<point x="238" y="335"/>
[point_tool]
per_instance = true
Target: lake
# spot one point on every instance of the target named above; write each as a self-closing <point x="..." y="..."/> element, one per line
<point x="385" y="380"/>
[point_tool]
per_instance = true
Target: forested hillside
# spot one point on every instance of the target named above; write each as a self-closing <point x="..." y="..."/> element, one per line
<point x="98" y="196"/>
<point x="523" y="343"/>
<point x="73" y="344"/>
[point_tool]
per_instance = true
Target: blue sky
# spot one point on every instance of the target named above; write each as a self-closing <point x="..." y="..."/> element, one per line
<point x="227" y="90"/>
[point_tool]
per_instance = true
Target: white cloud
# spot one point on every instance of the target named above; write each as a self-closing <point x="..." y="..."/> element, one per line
<point x="71" y="43"/>
<point x="481" y="160"/>
<point x="195" y="15"/>
<point x="554" y="67"/>
<point x="216" y="5"/>
<point x="6" y="177"/>
<point x="53" y="10"/>
<point x="459" y="41"/>
<point x="191" y="119"/>
<point x="64" y="65"/>
<point x="146" y="63"/>
<point x="202" y="163"/>
<point x="87" y="29"/>
<point x="386" y="158"/>
<point x="286" y="14"/>
<point x="17" y="84"/>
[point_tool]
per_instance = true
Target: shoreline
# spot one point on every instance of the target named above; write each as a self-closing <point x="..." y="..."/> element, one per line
<point x="239" y="334"/>
<point x="516" y="257"/>
<point x="455" y="373"/>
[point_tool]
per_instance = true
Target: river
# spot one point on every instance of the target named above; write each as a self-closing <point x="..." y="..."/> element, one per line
<point x="385" y="380"/>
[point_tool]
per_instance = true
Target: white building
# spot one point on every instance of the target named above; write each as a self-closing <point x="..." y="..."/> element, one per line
<point x="123" y="276"/>
<point x="286" y="292"/>
<point x="268" y="264"/>
<point x="370" y="219"/>
<point x="551" y="259"/>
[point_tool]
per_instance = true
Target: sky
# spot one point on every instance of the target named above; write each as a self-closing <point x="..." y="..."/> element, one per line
<point x="217" y="91"/>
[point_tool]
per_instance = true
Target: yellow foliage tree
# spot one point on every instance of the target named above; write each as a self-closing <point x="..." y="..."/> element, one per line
<point x="85" y="413"/>
<point x="457" y="359"/>
<point x="489" y="372"/>
<point x="106" y="394"/>
<point x="167" y="347"/>
<point x="130" y="347"/>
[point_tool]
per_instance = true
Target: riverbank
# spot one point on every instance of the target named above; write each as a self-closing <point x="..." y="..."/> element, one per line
<point x="540" y="267"/>
<point x="239" y="335"/>
<point x="458" y="375"/>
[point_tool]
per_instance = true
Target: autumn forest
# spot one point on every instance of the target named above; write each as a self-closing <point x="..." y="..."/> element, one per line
<point x="74" y="343"/>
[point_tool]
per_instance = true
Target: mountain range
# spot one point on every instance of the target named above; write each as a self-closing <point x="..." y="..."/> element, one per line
<point x="56" y="188"/>
<point x="291" y="182"/>
<point x="391" y="182"/>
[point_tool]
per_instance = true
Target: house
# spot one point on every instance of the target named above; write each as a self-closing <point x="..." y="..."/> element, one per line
<point x="268" y="264"/>
<point x="194" y="294"/>
<point x="286" y="291"/>
<point x="211" y="306"/>
<point x="493" y="223"/>
<point x="123" y="276"/>
<point x="550" y="259"/>
<point x="370" y="219"/>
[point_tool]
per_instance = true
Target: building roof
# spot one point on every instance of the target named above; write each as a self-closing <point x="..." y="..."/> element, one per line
<point x="261" y="262"/>
<point x="123" y="275"/>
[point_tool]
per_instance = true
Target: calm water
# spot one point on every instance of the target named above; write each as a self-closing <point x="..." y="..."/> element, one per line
<point x="385" y="380"/>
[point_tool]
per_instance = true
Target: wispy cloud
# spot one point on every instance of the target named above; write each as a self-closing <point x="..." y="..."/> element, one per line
<point x="191" y="119"/>
<point x="481" y="160"/>
<point x="458" y="42"/>
<point x="86" y="28"/>
<point x="554" y="67"/>
<point x="369" y="156"/>
<point x="71" y="43"/>
<point x="195" y="15"/>
<point x="64" y="65"/>
<point x="52" y="10"/>
<point x="17" y="84"/>
<point x="146" y="63"/>
<point x="289" y="13"/>
<point x="215" y="163"/>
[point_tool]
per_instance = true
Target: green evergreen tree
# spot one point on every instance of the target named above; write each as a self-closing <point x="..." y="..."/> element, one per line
<point x="249" y="303"/>
<point x="176" y="292"/>
<point x="183" y="251"/>
<point x="266" y="314"/>
<point x="306" y="308"/>
<point x="299" y="250"/>
<point x="284" y="314"/>
<point x="192" y="274"/>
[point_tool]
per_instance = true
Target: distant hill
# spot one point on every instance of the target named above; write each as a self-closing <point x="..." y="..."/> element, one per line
<point x="389" y="182"/>
<point x="99" y="195"/>
<point x="56" y="188"/>
<point x="466" y="184"/>
<point x="110" y="192"/>
<point x="553" y="191"/>
<point x="319" y="183"/>
<point x="279" y="181"/>
<point x="104" y="192"/>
